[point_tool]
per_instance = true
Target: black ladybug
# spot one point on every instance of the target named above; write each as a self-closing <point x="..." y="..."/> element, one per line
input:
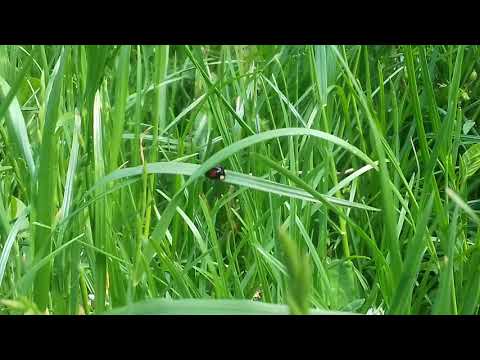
<point x="216" y="173"/>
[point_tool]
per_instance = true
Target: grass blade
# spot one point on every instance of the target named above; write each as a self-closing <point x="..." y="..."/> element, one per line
<point x="45" y="201"/>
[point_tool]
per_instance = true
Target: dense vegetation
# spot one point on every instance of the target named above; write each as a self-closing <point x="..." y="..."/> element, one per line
<point x="350" y="180"/>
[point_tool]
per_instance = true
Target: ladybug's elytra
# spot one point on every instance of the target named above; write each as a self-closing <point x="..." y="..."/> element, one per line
<point x="216" y="173"/>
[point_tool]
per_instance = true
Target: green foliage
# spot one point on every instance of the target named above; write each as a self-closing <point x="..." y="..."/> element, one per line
<point x="351" y="179"/>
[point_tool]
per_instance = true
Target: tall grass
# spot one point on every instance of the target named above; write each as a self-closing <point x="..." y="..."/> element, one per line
<point x="351" y="179"/>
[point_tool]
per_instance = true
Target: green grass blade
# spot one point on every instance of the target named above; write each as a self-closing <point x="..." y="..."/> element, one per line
<point x="45" y="197"/>
<point x="15" y="120"/>
<point x="119" y="110"/>
<point x="413" y="258"/>
<point x="389" y="212"/>
<point x="209" y="307"/>
<point x="100" y="211"/>
<point x="20" y="224"/>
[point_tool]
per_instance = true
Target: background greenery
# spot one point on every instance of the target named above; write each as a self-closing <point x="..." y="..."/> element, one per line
<point x="351" y="179"/>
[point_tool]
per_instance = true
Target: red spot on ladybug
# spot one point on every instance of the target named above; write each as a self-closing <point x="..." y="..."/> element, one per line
<point x="216" y="173"/>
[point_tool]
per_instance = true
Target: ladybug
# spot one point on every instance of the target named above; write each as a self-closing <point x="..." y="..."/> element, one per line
<point x="216" y="173"/>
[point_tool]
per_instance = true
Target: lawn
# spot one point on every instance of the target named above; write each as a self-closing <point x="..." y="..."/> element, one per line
<point x="239" y="179"/>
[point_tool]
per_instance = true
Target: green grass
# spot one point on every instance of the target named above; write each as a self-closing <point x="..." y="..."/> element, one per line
<point x="351" y="179"/>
